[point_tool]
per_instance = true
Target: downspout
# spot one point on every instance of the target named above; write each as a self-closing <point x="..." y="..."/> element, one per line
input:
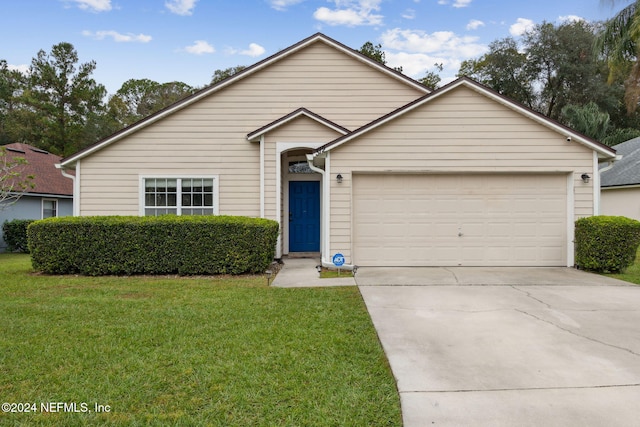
<point x="325" y="217"/>
<point x="598" y="180"/>
<point x="261" y="176"/>
<point x="73" y="178"/>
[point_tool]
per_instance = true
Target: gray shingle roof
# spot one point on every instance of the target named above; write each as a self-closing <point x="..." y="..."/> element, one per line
<point x="627" y="170"/>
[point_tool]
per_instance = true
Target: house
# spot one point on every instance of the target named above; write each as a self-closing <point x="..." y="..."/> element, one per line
<point x="52" y="193"/>
<point x="352" y="157"/>
<point x="620" y="182"/>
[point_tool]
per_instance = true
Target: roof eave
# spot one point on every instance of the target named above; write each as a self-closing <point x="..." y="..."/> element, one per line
<point x="300" y="112"/>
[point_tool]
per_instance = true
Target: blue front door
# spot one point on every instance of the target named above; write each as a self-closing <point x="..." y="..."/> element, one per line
<point x="304" y="216"/>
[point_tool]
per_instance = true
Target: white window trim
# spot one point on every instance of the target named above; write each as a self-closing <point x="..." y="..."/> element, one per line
<point x="42" y="207"/>
<point x="141" y="190"/>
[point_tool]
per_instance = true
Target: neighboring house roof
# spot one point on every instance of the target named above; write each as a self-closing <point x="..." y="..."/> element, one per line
<point x="603" y="151"/>
<point x="255" y="135"/>
<point x="316" y="38"/>
<point x="627" y="170"/>
<point x="48" y="180"/>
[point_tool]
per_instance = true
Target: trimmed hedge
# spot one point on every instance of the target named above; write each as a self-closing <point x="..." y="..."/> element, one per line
<point x="15" y="234"/>
<point x="606" y="244"/>
<point x="169" y="244"/>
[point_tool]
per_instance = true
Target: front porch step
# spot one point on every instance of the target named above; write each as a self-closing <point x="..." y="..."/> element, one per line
<point x="291" y="255"/>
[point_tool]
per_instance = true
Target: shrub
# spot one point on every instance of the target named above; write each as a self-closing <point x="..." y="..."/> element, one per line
<point x="606" y="243"/>
<point x="168" y="244"/>
<point x="15" y="234"/>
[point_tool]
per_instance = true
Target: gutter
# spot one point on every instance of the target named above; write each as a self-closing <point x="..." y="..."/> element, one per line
<point x="73" y="178"/>
<point x="611" y="163"/>
<point x="325" y="219"/>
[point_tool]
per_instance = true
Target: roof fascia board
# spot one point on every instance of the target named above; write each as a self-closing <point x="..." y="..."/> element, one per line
<point x="238" y="76"/>
<point x="255" y="135"/>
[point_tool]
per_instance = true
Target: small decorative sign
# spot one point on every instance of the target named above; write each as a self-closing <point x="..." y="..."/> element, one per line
<point x="338" y="260"/>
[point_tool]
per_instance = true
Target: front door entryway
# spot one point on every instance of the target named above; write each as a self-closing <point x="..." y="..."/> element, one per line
<point x="304" y="216"/>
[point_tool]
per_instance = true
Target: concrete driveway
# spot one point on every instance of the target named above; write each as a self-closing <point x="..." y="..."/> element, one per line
<point x="508" y="347"/>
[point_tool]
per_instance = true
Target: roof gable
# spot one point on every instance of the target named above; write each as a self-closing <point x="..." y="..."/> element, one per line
<point x="300" y="112"/>
<point x="571" y="135"/>
<point x="316" y="38"/>
<point x="42" y="166"/>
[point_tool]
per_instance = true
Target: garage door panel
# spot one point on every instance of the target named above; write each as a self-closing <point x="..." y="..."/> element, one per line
<point x="514" y="219"/>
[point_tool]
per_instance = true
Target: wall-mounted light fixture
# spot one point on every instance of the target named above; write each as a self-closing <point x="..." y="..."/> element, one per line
<point x="339" y="178"/>
<point x="585" y="178"/>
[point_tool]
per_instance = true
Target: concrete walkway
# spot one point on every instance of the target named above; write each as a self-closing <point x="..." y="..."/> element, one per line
<point x="302" y="273"/>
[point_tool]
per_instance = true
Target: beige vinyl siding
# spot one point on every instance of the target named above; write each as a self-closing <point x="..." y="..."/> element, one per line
<point x="620" y="202"/>
<point x="460" y="132"/>
<point x="209" y="136"/>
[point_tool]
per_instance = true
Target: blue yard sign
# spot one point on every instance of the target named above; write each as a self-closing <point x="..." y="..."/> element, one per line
<point x="338" y="260"/>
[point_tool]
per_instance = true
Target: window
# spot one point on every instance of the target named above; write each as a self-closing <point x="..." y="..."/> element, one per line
<point x="49" y="208"/>
<point x="180" y="196"/>
<point x="301" y="166"/>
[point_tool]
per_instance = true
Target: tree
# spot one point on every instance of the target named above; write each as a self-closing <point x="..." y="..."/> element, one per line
<point x="591" y="121"/>
<point x="552" y="67"/>
<point x="503" y="69"/>
<point x="61" y="94"/>
<point x="12" y="119"/>
<point x="220" y="75"/>
<point x="561" y="62"/>
<point x="432" y="79"/>
<point x="376" y="53"/>
<point x="13" y="182"/>
<point x="139" y="98"/>
<point x="619" y="41"/>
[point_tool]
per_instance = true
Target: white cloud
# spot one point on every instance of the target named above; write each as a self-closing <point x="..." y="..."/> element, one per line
<point x="118" y="37"/>
<point x="200" y="47"/>
<point x="461" y="3"/>
<point x="23" y="68"/>
<point x="181" y="7"/>
<point x="253" y="51"/>
<point x="350" y="13"/>
<point x="409" y="14"/>
<point x="445" y="43"/>
<point x="521" y="26"/>
<point x="417" y="51"/>
<point x="417" y="64"/>
<point x="94" y="5"/>
<point x="570" y="18"/>
<point x="457" y="3"/>
<point x="474" y="24"/>
<point x="283" y="4"/>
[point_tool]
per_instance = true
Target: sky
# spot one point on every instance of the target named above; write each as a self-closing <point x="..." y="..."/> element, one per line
<point x="187" y="40"/>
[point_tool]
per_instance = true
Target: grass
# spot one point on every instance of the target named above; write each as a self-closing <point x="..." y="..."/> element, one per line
<point x="225" y="351"/>
<point x="331" y="274"/>
<point x="632" y="274"/>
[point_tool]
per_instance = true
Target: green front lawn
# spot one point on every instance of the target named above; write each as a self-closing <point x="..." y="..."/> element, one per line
<point x="632" y="274"/>
<point x="226" y="351"/>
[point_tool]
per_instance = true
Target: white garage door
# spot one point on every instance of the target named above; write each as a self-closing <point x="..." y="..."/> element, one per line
<point x="468" y="220"/>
